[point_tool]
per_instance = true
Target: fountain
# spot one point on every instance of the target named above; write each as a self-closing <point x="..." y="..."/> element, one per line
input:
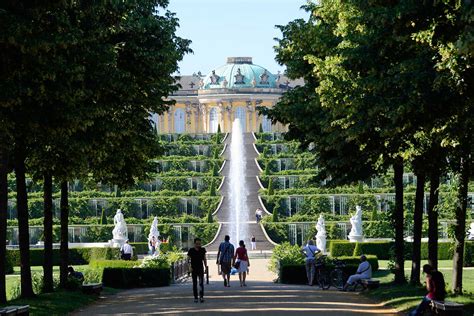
<point x="238" y="188"/>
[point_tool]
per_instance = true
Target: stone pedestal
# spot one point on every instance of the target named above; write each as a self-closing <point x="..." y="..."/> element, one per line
<point x="117" y="243"/>
<point x="356" y="238"/>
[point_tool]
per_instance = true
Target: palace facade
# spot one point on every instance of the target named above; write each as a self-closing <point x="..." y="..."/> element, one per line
<point x="231" y="91"/>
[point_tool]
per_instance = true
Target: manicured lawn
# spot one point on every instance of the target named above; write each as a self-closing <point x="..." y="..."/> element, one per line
<point x="406" y="297"/>
<point x="58" y="303"/>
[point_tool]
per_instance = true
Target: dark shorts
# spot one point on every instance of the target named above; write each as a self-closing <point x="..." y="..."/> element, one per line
<point x="225" y="267"/>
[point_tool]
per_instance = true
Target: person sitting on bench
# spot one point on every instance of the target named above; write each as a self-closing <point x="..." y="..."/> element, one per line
<point x="363" y="272"/>
<point x="436" y="291"/>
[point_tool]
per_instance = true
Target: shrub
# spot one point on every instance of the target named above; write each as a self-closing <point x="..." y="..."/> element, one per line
<point x="141" y="248"/>
<point x="296" y="273"/>
<point x="127" y="278"/>
<point x="377" y="248"/>
<point x="285" y="254"/>
<point x="469" y="254"/>
<point x="342" y="248"/>
<point x="160" y="262"/>
<point x="275" y="215"/>
<point x="276" y="231"/>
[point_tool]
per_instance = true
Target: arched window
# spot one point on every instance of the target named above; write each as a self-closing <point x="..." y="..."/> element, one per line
<point x="179" y="121"/>
<point x="240" y="113"/>
<point x="266" y="124"/>
<point x="213" y="121"/>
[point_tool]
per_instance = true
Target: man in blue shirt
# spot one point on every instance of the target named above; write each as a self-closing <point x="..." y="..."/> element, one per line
<point x="224" y="258"/>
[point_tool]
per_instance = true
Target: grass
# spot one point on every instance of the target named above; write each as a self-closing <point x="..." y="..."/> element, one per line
<point x="406" y="297"/>
<point x="58" y="303"/>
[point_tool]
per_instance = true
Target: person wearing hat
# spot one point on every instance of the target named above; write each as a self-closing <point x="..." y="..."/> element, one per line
<point x="364" y="271"/>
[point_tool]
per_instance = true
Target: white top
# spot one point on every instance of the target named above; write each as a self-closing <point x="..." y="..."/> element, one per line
<point x="365" y="270"/>
<point x="310" y="251"/>
<point x="127" y="249"/>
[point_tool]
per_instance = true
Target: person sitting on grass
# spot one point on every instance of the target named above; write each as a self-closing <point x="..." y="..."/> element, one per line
<point x="364" y="271"/>
<point x="75" y="275"/>
<point x="436" y="292"/>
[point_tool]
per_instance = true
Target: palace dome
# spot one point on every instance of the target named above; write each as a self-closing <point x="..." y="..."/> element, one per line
<point x="239" y="72"/>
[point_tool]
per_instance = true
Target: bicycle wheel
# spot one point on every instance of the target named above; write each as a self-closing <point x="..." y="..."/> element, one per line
<point x="324" y="280"/>
<point x="337" y="279"/>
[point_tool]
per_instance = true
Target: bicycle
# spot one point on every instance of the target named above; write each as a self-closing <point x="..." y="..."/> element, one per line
<point x="322" y="275"/>
<point x="337" y="276"/>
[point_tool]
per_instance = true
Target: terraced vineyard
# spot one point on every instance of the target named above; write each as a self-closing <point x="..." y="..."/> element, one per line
<point x="293" y="194"/>
<point x="181" y="189"/>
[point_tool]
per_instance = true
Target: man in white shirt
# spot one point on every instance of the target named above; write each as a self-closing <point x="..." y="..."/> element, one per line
<point x="126" y="251"/>
<point x="363" y="272"/>
<point x="310" y="251"/>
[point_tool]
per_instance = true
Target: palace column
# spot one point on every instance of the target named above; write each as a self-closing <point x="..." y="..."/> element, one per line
<point x="196" y="117"/>
<point x="250" y="115"/>
<point x="205" y="118"/>
<point x="170" y="119"/>
<point x="189" y="113"/>
<point x="221" y="116"/>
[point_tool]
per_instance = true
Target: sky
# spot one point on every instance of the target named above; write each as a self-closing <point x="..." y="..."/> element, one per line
<point x="232" y="28"/>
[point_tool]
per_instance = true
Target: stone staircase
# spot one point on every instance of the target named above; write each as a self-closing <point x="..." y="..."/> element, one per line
<point x="224" y="215"/>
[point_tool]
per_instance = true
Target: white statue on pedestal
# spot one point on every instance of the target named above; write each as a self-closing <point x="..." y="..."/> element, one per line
<point x="153" y="237"/>
<point x="321" y="234"/>
<point x="356" y="221"/>
<point x="120" y="232"/>
<point x="471" y="232"/>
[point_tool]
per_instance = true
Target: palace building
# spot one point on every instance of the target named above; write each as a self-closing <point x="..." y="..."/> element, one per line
<point x="231" y="91"/>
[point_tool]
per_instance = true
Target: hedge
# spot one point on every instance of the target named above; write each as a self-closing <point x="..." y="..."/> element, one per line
<point x="383" y="250"/>
<point x="141" y="248"/>
<point x="77" y="256"/>
<point x="127" y="278"/>
<point x="102" y="264"/>
<point x="296" y="273"/>
<point x="342" y="248"/>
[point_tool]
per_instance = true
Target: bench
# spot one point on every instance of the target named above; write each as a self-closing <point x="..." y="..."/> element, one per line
<point x="367" y="284"/>
<point x="15" y="310"/>
<point x="446" y="308"/>
<point x="92" y="288"/>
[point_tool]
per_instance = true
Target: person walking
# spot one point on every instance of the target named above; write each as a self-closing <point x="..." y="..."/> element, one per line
<point x="258" y="215"/>
<point x="224" y="259"/>
<point x="197" y="256"/>
<point x="241" y="262"/>
<point x="310" y="251"/>
<point x="253" y="242"/>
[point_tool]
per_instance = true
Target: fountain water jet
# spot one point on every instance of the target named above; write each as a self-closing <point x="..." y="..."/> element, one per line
<point x="238" y="187"/>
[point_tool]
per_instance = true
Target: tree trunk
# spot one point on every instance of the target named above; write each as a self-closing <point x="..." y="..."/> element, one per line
<point x="460" y="228"/>
<point x="398" y="223"/>
<point x="3" y="224"/>
<point x="23" y="227"/>
<point x="64" y="251"/>
<point x="433" y="219"/>
<point x="417" y="229"/>
<point x="48" y="284"/>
